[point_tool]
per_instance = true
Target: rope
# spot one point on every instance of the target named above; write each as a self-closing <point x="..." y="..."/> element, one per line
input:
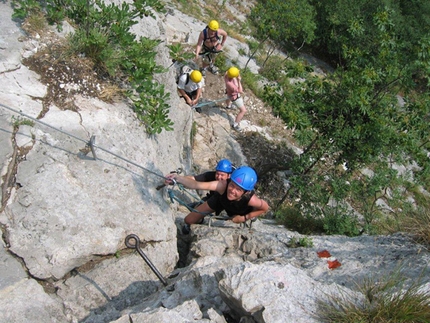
<point x="198" y="105"/>
<point x="170" y="191"/>
<point x="173" y="198"/>
<point x="80" y="139"/>
<point x="41" y="122"/>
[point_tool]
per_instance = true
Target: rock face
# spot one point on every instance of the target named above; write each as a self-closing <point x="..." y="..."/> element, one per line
<point x="271" y="292"/>
<point x="66" y="216"/>
<point x="66" y="209"/>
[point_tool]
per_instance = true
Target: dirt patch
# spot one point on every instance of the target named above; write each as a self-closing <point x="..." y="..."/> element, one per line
<point x="67" y="75"/>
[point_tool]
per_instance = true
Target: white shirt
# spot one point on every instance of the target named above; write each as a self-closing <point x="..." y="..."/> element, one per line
<point x="190" y="86"/>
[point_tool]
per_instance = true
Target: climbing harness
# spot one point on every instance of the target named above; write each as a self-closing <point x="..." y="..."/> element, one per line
<point x="208" y="51"/>
<point x="136" y="246"/>
<point x="208" y="54"/>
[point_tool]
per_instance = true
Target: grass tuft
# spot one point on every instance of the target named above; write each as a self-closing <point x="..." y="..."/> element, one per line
<point x="418" y="224"/>
<point x="389" y="300"/>
<point x="35" y="24"/>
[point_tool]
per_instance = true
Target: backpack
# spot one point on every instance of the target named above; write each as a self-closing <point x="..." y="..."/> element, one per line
<point x="184" y="68"/>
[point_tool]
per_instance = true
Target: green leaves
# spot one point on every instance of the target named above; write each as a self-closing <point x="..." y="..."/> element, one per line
<point x="104" y="35"/>
<point x="178" y="53"/>
<point x="143" y="7"/>
<point x="352" y="117"/>
<point x="23" y="8"/>
<point x="152" y="109"/>
<point x="284" y="22"/>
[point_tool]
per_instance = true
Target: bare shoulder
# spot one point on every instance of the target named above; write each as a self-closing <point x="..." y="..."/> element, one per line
<point x="201" y="36"/>
<point x="222" y="32"/>
<point x="258" y="203"/>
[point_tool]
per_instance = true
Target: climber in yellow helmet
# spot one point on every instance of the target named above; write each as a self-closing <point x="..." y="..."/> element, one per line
<point x="211" y="40"/>
<point x="190" y="87"/>
<point x="233" y="88"/>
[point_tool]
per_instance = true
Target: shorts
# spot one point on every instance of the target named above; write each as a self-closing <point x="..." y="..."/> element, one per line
<point x="207" y="54"/>
<point x="238" y="103"/>
<point x="192" y="95"/>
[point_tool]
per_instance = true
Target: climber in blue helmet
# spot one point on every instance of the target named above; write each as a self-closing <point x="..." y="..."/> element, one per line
<point x="222" y="172"/>
<point x="236" y="196"/>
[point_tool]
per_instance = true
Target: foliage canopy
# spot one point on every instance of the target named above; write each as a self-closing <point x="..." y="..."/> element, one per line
<point x="371" y="112"/>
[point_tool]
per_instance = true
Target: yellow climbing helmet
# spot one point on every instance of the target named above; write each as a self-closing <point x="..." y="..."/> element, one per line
<point x="233" y="72"/>
<point x="196" y="76"/>
<point x="213" y="25"/>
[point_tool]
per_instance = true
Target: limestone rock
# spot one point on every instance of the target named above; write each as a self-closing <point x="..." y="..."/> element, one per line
<point x="26" y="301"/>
<point x="272" y="292"/>
<point x="65" y="219"/>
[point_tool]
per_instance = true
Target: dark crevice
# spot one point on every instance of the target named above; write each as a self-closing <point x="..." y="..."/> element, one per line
<point x="9" y="178"/>
<point x="183" y="244"/>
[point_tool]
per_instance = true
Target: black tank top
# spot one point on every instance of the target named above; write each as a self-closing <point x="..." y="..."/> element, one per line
<point x="206" y="177"/>
<point x="220" y="202"/>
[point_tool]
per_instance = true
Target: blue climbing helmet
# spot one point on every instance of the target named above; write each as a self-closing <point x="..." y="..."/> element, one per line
<point x="244" y="177"/>
<point x="225" y="166"/>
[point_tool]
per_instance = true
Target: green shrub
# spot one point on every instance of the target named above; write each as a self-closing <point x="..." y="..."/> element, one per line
<point x="108" y="41"/>
<point x="253" y="45"/>
<point x="332" y="222"/>
<point x="221" y="63"/>
<point x="103" y="35"/>
<point x="297" y="68"/>
<point x="295" y="220"/>
<point x="340" y="222"/>
<point x="273" y="69"/>
<point x="94" y="44"/>
<point x="152" y="109"/>
<point x="24" y="8"/>
<point x="305" y="242"/>
<point x="250" y="80"/>
<point x="178" y="53"/>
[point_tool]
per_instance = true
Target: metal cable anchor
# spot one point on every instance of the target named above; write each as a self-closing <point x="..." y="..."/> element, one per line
<point x="136" y="246"/>
<point x="177" y="171"/>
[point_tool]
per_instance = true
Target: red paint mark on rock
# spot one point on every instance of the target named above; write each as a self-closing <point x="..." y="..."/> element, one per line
<point x="324" y="254"/>
<point x="333" y="264"/>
